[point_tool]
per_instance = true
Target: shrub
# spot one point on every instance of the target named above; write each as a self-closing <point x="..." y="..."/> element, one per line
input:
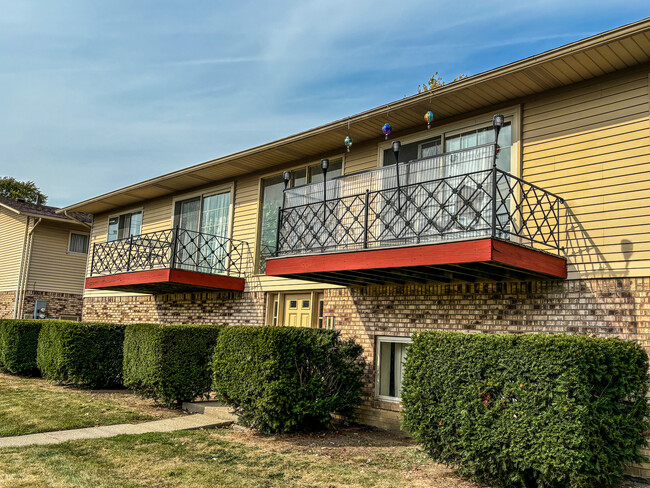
<point x="280" y="379"/>
<point x="81" y="353"/>
<point x="528" y="410"/>
<point x="170" y="363"/>
<point x="18" y="341"/>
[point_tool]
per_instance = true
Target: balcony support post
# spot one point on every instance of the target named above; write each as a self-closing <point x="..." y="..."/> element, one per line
<point x="92" y="261"/>
<point x="494" y="192"/>
<point x="365" y="219"/>
<point x="276" y="252"/>
<point x="128" y="257"/>
<point x="174" y="247"/>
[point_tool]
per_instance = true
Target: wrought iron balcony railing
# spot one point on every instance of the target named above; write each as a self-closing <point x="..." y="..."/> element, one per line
<point x="172" y="249"/>
<point x="454" y="196"/>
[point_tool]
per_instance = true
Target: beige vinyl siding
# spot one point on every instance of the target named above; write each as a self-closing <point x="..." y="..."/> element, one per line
<point x="591" y="145"/>
<point x="12" y="230"/>
<point x="52" y="268"/>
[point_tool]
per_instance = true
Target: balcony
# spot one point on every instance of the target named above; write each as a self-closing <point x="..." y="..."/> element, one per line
<point x="453" y="217"/>
<point x="169" y="261"/>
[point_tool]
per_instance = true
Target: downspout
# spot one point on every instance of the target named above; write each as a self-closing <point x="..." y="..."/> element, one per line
<point x="21" y="269"/>
<point x="28" y="259"/>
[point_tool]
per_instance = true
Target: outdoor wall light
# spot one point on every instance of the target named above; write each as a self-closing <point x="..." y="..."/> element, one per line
<point x="287" y="178"/>
<point x="396" y="147"/>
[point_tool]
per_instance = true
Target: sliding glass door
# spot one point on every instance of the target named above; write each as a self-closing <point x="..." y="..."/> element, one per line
<point x="203" y="227"/>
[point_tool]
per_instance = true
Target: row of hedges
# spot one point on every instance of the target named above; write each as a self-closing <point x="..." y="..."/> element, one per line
<point x="277" y="378"/>
<point x="528" y="410"/>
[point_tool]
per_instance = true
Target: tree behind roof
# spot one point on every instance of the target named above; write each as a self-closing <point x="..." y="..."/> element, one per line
<point x="27" y="190"/>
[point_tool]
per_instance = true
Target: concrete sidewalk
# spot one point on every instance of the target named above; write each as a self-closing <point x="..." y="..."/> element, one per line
<point x="209" y="415"/>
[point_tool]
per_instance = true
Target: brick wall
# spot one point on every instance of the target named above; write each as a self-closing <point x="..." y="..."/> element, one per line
<point x="230" y="308"/>
<point x="7" y="302"/>
<point x="58" y="304"/>
<point x="607" y="307"/>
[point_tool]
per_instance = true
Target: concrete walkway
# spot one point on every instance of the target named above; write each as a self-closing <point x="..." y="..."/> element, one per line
<point x="205" y="415"/>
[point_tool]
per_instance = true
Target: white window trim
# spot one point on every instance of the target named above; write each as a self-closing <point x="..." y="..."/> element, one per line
<point x="70" y="242"/>
<point x="378" y="341"/>
<point x="134" y="210"/>
<point x="511" y="114"/>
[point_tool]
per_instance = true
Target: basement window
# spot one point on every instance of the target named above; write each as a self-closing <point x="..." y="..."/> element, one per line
<point x="390" y="353"/>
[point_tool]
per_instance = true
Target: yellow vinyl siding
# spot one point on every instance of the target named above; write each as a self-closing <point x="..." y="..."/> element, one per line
<point x="51" y="267"/>
<point x="590" y="145"/>
<point x="12" y="227"/>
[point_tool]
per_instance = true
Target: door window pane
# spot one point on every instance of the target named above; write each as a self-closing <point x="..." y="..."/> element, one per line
<point x="272" y="190"/>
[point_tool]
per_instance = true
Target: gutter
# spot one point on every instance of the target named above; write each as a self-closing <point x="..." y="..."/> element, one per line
<point x="88" y="226"/>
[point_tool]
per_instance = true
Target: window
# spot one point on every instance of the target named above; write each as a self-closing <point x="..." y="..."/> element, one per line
<point x="272" y="199"/>
<point x="391" y="353"/>
<point x="124" y="226"/>
<point x="78" y="243"/>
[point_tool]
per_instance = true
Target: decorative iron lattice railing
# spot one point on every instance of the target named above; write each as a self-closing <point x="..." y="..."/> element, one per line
<point x="174" y="248"/>
<point x="475" y="204"/>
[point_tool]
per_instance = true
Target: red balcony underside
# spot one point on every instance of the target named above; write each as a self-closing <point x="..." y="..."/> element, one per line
<point x="482" y="259"/>
<point x="161" y="281"/>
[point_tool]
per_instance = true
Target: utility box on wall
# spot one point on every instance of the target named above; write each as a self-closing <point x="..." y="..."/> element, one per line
<point x="40" y="308"/>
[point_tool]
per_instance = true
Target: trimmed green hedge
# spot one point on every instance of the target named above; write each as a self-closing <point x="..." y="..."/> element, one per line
<point x="170" y="363"/>
<point x="281" y="379"/>
<point x="528" y="410"/>
<point x="18" y="342"/>
<point x="81" y="353"/>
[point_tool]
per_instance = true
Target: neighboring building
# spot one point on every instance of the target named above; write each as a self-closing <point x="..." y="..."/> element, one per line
<point x="554" y="238"/>
<point x="43" y="258"/>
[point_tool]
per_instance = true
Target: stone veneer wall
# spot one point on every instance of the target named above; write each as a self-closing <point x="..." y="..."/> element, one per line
<point x="617" y="307"/>
<point x="230" y="308"/>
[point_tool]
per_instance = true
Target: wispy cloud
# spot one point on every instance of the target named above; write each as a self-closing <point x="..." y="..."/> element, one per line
<point x="99" y="95"/>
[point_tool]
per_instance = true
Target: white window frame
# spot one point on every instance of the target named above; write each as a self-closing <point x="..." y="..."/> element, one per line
<point x="70" y="242"/>
<point x="378" y="341"/>
<point x="131" y="211"/>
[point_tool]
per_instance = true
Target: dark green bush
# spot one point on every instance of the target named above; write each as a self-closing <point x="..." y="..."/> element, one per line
<point x="18" y="341"/>
<point x="81" y="353"/>
<point x="280" y="379"/>
<point x="528" y="410"/>
<point x="170" y="363"/>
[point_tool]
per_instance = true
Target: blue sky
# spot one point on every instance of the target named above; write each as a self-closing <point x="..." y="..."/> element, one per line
<point x="98" y="95"/>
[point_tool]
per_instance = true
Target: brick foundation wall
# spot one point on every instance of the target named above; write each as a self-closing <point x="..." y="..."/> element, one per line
<point x="230" y="308"/>
<point x="604" y="307"/>
<point x="58" y="304"/>
<point x="7" y="302"/>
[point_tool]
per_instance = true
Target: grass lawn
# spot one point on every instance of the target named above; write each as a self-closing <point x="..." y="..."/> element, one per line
<point x="30" y="405"/>
<point x="227" y="458"/>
